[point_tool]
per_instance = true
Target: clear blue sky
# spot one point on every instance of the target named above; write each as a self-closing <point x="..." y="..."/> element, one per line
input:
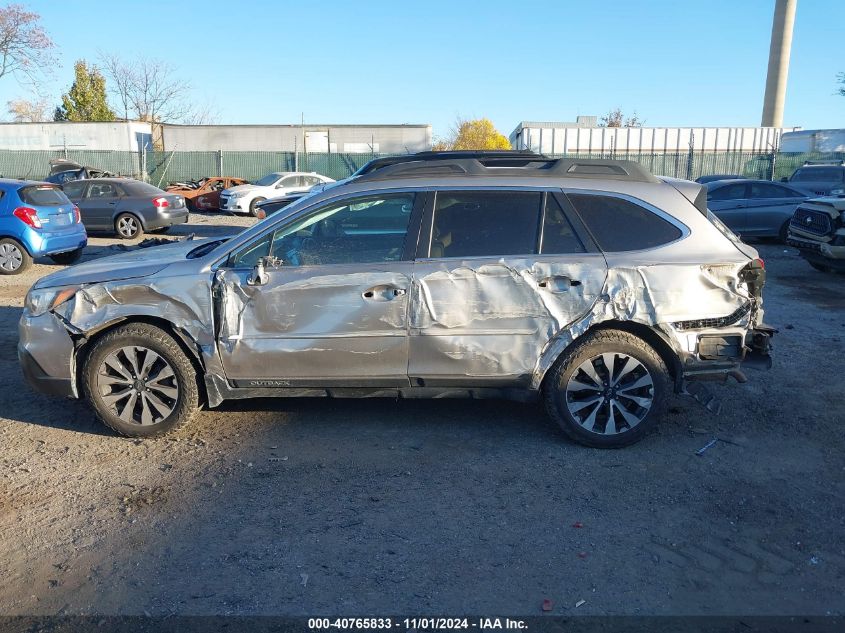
<point x="675" y="62"/>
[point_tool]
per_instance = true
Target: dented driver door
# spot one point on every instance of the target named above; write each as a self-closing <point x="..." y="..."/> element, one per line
<point x="331" y="308"/>
<point x="500" y="273"/>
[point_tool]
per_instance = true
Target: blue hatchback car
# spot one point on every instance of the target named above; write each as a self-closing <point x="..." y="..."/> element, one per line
<point x="37" y="219"/>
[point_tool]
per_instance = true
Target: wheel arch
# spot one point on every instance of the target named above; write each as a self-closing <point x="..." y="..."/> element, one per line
<point x="188" y="345"/>
<point x="652" y="336"/>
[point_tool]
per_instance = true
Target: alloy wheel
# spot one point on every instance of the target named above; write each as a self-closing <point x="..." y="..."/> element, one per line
<point x="127" y="226"/>
<point x="138" y="385"/>
<point x="610" y="393"/>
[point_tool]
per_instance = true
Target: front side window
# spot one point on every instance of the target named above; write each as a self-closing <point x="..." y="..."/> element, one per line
<point x="363" y="230"/>
<point x="485" y="223"/>
<point x="727" y="192"/>
<point x="291" y="181"/>
<point x="618" y="224"/>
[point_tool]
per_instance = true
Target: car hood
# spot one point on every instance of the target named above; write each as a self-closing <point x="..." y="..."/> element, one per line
<point x="242" y="188"/>
<point x="139" y="262"/>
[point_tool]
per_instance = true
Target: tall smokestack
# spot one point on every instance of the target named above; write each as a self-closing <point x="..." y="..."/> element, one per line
<point x="778" y="63"/>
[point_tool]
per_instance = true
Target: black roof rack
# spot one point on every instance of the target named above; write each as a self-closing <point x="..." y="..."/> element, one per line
<point x="500" y="163"/>
<point x="378" y="163"/>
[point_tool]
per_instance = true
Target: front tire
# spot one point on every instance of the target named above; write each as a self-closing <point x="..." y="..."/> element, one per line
<point x="252" y="205"/>
<point x="608" y="390"/>
<point x="66" y="259"/>
<point x="139" y="381"/>
<point x="128" y="226"/>
<point x="14" y="258"/>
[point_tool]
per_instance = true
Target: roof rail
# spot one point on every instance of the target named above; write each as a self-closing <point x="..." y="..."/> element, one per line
<point x="834" y="163"/>
<point x="378" y="163"/>
<point x="522" y="164"/>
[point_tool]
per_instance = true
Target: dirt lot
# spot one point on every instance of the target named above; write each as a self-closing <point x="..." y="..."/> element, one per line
<point x="382" y="507"/>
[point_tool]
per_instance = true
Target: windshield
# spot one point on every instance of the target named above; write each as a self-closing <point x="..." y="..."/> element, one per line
<point x="267" y="180"/>
<point x="819" y="174"/>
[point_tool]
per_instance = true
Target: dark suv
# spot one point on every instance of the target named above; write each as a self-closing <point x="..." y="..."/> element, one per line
<point x="820" y="178"/>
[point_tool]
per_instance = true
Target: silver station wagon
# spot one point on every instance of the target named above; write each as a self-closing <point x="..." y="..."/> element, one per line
<point x="592" y="285"/>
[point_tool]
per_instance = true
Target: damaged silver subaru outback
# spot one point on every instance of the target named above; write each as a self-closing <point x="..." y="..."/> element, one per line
<point x="590" y="284"/>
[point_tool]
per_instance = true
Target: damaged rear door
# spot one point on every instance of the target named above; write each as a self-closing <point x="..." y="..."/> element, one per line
<point x="500" y="272"/>
<point x="331" y="308"/>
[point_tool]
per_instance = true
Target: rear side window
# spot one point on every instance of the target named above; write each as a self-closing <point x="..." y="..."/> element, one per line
<point x="558" y="236"/>
<point x="727" y="192"/>
<point x="74" y="189"/>
<point x="485" y="223"/>
<point x="41" y="196"/>
<point x="621" y="225"/>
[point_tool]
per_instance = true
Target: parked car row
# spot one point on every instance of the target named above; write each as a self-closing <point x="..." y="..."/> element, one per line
<point x="245" y="198"/>
<point x="39" y="219"/>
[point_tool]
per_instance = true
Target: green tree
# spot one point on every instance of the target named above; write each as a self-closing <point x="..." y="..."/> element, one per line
<point x="616" y="118"/>
<point x="840" y="79"/>
<point x="86" y="99"/>
<point x="473" y="134"/>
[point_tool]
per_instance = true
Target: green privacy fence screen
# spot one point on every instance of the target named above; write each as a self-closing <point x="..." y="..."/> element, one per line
<point x="160" y="168"/>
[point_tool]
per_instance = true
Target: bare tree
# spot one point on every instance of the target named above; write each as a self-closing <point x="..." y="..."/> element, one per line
<point x="616" y="118"/>
<point x="25" y="48"/>
<point x="26" y="111"/>
<point x="148" y="90"/>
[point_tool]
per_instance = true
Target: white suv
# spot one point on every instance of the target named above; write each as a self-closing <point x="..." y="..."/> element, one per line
<point x="243" y="198"/>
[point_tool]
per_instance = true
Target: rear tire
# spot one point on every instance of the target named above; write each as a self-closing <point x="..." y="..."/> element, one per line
<point x="252" y="204"/>
<point x="783" y="234"/>
<point x="66" y="259"/>
<point x="608" y="390"/>
<point x="139" y="381"/>
<point x="128" y="226"/>
<point x="14" y="258"/>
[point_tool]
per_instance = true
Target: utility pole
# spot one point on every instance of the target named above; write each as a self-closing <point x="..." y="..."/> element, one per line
<point x="779" y="50"/>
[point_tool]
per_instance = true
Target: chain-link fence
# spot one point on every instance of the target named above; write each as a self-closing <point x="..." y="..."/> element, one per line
<point x="160" y="168"/>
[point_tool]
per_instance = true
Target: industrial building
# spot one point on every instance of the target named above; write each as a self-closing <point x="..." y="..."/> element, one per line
<point x="386" y="139"/>
<point x="579" y="137"/>
<point x="67" y="135"/>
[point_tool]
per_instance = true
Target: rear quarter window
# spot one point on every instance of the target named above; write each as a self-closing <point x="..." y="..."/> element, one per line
<point x="42" y="196"/>
<point x="617" y="224"/>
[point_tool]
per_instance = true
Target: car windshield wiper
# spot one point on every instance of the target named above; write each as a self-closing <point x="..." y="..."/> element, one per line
<point x="205" y="248"/>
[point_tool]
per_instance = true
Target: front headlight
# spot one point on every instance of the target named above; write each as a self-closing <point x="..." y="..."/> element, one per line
<point x="238" y="194"/>
<point x="40" y="301"/>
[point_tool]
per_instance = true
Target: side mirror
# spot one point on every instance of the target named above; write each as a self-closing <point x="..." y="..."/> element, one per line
<point x="784" y="179"/>
<point x="258" y="276"/>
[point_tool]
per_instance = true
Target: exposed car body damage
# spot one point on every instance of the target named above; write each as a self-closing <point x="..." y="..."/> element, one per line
<point x="419" y="325"/>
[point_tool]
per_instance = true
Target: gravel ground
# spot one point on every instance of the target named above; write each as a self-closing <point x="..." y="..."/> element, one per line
<point x="376" y="507"/>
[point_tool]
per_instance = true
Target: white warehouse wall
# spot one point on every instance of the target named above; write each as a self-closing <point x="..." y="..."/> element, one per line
<point x="111" y="135"/>
<point x="568" y="140"/>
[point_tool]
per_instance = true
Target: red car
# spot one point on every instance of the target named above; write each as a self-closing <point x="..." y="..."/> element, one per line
<point x="204" y="195"/>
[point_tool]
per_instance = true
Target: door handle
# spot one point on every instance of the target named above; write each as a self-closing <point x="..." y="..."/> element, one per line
<point x="558" y="283"/>
<point x="384" y="292"/>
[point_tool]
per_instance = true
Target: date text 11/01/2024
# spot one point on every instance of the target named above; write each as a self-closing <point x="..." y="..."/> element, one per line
<point x="425" y="623"/>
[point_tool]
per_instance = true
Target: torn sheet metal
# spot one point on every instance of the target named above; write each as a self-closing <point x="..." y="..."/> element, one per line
<point x="492" y="318"/>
